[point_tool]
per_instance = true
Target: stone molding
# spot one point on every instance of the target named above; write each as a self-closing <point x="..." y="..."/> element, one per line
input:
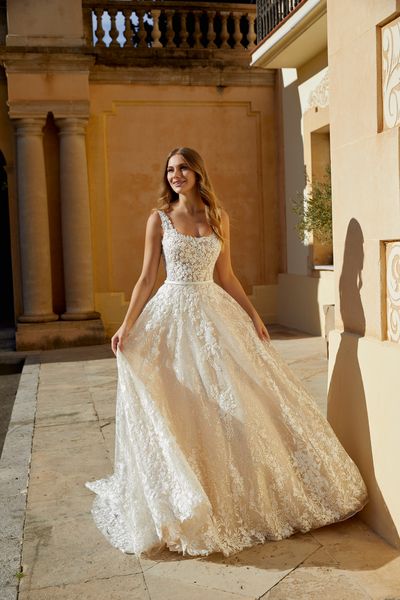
<point x="44" y="40"/>
<point x="44" y="61"/>
<point x="29" y="126"/>
<point x="72" y="125"/>
<point x="200" y="75"/>
<point x="40" y="108"/>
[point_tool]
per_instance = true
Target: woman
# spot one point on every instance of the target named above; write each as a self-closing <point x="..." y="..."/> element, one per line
<point x="218" y="445"/>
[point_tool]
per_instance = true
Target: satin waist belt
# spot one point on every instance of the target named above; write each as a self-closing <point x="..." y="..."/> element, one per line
<point x="189" y="282"/>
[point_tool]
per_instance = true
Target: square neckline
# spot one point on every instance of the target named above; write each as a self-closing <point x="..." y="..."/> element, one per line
<point x="194" y="237"/>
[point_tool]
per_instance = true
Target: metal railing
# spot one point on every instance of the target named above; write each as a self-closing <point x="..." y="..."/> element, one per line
<point x="270" y="13"/>
<point x="165" y="24"/>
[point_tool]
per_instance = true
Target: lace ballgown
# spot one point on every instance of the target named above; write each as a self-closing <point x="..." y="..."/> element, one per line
<point x="218" y="446"/>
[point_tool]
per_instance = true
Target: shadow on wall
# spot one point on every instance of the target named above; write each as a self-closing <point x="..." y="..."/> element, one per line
<point x="347" y="408"/>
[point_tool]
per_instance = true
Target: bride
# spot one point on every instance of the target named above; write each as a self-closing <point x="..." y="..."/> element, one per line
<point x="218" y="446"/>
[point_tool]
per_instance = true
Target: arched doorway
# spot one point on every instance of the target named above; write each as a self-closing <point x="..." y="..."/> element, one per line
<point x="7" y="317"/>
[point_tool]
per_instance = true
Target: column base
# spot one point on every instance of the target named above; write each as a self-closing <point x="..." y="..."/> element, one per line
<point x="82" y="316"/>
<point x="38" y="318"/>
<point x="62" y="334"/>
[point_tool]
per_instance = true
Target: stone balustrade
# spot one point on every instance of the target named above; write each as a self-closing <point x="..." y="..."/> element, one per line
<point x="166" y="25"/>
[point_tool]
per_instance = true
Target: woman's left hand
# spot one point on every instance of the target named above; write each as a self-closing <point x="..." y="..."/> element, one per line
<point x="261" y="329"/>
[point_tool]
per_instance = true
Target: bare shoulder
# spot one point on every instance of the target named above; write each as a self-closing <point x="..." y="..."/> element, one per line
<point x="154" y="222"/>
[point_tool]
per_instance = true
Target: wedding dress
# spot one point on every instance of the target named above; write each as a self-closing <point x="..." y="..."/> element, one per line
<point x="218" y="446"/>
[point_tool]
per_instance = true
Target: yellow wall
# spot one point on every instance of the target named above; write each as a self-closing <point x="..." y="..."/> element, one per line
<point x="131" y="131"/>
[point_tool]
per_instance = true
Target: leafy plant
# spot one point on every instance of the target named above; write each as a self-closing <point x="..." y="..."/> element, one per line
<point x="315" y="209"/>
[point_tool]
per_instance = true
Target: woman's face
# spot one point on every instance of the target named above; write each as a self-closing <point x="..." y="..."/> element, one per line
<point x="180" y="176"/>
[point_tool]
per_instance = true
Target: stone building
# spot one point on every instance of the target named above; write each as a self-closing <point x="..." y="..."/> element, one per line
<point x="337" y="69"/>
<point x="94" y="94"/>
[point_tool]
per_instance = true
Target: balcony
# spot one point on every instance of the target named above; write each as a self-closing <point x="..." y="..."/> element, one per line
<point x="270" y="15"/>
<point x="289" y="32"/>
<point x="159" y="31"/>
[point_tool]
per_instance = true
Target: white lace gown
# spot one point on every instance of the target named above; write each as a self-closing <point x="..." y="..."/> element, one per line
<point x="218" y="445"/>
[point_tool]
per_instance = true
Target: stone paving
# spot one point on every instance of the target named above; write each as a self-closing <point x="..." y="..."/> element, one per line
<point x="64" y="556"/>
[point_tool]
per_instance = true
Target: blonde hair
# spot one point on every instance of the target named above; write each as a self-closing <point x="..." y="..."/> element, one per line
<point x="206" y="190"/>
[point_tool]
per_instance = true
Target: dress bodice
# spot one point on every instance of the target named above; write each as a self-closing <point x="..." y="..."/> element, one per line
<point x="188" y="258"/>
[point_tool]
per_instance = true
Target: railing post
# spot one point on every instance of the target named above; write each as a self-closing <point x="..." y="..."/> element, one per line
<point x="113" y="31"/>
<point x="127" y="12"/>
<point x="170" y="29"/>
<point x="211" y="35"/>
<point x="141" y="32"/>
<point x="183" y="43"/>
<point x="237" y="35"/>
<point x="156" y="33"/>
<point x="99" y="33"/>
<point x="224" y="29"/>
<point x="251" y="36"/>
<point x="197" y="29"/>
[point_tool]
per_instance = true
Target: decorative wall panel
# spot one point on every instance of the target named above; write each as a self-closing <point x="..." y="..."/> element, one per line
<point x="391" y="74"/>
<point x="393" y="290"/>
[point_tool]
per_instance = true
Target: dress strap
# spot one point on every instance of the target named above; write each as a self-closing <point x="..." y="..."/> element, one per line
<point x="165" y="221"/>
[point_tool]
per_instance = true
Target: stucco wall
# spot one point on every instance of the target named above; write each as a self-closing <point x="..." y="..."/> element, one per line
<point x="131" y="131"/>
<point x="363" y="404"/>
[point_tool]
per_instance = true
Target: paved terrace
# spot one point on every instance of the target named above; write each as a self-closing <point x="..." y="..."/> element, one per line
<point x="61" y="434"/>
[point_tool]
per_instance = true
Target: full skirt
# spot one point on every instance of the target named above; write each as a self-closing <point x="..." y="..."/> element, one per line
<point x="218" y="446"/>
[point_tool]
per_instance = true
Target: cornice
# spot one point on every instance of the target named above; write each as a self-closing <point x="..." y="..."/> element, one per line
<point x="23" y="109"/>
<point x="166" y="68"/>
<point x="199" y="75"/>
<point x="17" y="61"/>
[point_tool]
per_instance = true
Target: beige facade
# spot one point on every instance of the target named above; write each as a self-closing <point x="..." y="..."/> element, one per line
<point x="351" y="118"/>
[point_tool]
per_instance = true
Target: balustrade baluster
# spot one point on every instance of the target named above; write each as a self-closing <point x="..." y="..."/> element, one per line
<point x="99" y="33"/>
<point x="237" y="35"/>
<point x="114" y="33"/>
<point x="211" y="35"/>
<point x="251" y="36"/>
<point x="156" y="33"/>
<point x="184" y="32"/>
<point x="178" y="26"/>
<point x="170" y="29"/>
<point x="141" y="31"/>
<point x="128" y="27"/>
<point x="197" y="30"/>
<point x="224" y="30"/>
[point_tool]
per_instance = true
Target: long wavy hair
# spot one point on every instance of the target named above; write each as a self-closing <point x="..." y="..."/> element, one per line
<point x="212" y="206"/>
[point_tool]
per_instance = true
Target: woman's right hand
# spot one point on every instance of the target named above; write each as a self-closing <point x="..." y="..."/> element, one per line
<point x="119" y="338"/>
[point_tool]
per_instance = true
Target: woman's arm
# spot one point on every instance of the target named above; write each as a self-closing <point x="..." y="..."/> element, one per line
<point x="144" y="285"/>
<point x="232" y="285"/>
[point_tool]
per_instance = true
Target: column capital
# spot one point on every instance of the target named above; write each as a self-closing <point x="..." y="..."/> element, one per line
<point x="29" y="126"/>
<point x="72" y="125"/>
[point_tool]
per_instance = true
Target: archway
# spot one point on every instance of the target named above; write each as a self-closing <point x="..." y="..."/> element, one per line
<point x="7" y="316"/>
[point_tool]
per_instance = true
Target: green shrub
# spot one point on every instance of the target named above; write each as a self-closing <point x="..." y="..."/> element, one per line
<point x="315" y="209"/>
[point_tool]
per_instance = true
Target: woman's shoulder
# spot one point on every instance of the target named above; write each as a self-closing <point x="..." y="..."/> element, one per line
<point x="155" y="218"/>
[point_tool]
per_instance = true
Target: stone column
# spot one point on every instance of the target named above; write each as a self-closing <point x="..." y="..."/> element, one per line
<point x="75" y="214"/>
<point x="33" y="222"/>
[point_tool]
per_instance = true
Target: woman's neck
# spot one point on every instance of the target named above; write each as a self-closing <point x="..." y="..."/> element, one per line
<point x="191" y="203"/>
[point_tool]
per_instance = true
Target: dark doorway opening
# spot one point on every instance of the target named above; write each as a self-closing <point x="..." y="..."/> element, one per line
<point x="7" y="316"/>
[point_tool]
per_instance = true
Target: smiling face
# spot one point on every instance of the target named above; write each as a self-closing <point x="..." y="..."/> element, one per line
<point x="180" y="176"/>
